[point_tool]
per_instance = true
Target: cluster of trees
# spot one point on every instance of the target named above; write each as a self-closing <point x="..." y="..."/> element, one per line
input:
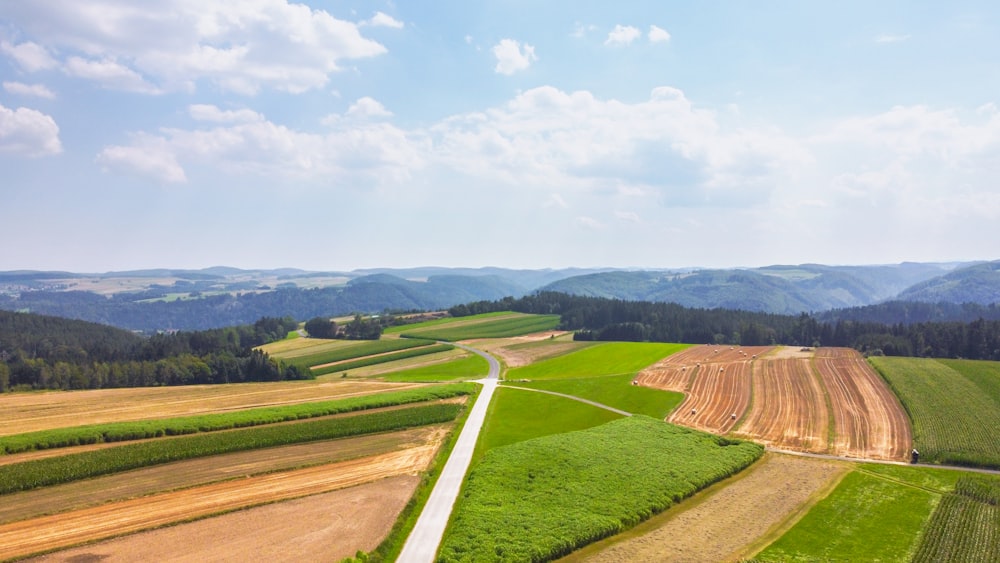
<point x="613" y="319"/>
<point x="359" y="328"/>
<point x="41" y="352"/>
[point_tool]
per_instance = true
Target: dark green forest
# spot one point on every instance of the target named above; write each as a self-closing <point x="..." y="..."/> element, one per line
<point x="44" y="352"/>
<point x="614" y="319"/>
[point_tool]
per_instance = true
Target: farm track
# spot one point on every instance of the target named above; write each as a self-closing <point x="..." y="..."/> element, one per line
<point x="830" y="401"/>
<point x="62" y="530"/>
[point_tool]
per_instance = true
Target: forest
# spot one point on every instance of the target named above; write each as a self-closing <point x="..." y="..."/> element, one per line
<point x="597" y="318"/>
<point x="43" y="352"/>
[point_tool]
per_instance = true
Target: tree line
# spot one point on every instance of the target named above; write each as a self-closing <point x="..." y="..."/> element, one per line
<point x="42" y="352"/>
<point x="596" y="318"/>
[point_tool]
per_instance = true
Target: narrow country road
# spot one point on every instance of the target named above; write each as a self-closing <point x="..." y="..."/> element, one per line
<point x="422" y="545"/>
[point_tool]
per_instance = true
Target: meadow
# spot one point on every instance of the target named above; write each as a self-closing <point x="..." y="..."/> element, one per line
<point x="469" y="367"/>
<point x="615" y="391"/>
<point x="612" y="358"/>
<point x="490" y="325"/>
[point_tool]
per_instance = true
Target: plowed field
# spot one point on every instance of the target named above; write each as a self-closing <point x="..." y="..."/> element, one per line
<point x="829" y="401"/>
<point x="66" y="529"/>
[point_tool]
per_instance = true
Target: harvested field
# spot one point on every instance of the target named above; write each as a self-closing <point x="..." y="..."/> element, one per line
<point x="827" y="400"/>
<point x="520" y="351"/>
<point x="869" y="422"/>
<point x="789" y="407"/>
<point x="324" y="527"/>
<point x="71" y="528"/>
<point x="722" y="524"/>
<point x="203" y="471"/>
<point x="28" y="412"/>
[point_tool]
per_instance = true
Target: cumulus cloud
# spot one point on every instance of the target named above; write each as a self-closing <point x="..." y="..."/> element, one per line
<point x="31" y="56"/>
<point x="623" y="35"/>
<point x="367" y="107"/>
<point x="208" y="112"/>
<point x="21" y="89"/>
<point x="512" y="56"/>
<point x="28" y="132"/>
<point x="149" y="157"/>
<point x="381" y="19"/>
<point x="174" y="45"/>
<point x="657" y="34"/>
<point x="580" y="30"/>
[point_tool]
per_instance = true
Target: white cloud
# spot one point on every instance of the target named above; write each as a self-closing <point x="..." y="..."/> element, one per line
<point x="28" y="132"/>
<point x="889" y="38"/>
<point x="367" y="107"/>
<point x="208" y="112"/>
<point x="21" y="89"/>
<point x="628" y="216"/>
<point x="32" y="57"/>
<point x="580" y="30"/>
<point x="555" y="200"/>
<point x="148" y="158"/>
<point x="110" y="74"/>
<point x="590" y="223"/>
<point x="468" y="40"/>
<point x="512" y="56"/>
<point x="657" y="34"/>
<point x="623" y="35"/>
<point x="173" y="45"/>
<point x="381" y="19"/>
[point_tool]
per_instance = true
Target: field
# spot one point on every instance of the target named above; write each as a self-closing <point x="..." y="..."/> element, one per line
<point x="955" y="416"/>
<point x="966" y="525"/>
<point x="615" y="391"/>
<point x="520" y="351"/>
<point x="492" y="325"/>
<point x="612" y="358"/>
<point x="469" y="367"/>
<point x="542" y="498"/>
<point x="825" y="401"/>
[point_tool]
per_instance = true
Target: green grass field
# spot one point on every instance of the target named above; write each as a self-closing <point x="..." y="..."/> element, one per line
<point x="540" y="499"/>
<point x="966" y="524"/>
<point x="955" y="416"/>
<point x="470" y="367"/>
<point x="615" y="391"/>
<point x="353" y="350"/>
<point x="515" y="416"/>
<point x="492" y="325"/>
<point x="340" y="367"/>
<point x="866" y="518"/>
<point x="612" y="358"/>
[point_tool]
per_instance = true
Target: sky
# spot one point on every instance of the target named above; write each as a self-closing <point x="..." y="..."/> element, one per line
<point x="334" y="135"/>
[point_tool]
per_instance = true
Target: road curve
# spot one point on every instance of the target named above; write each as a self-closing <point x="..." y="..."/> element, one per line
<point x="422" y="544"/>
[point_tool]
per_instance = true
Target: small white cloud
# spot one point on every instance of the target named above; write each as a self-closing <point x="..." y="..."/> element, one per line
<point x="28" y="132"/>
<point x="657" y="34"/>
<point x="146" y="159"/>
<point x="511" y="57"/>
<point x="555" y="200"/>
<point x="629" y="216"/>
<point x="110" y="74"/>
<point x="590" y="223"/>
<point x="888" y="38"/>
<point x="32" y="57"/>
<point x="208" y="112"/>
<point x="381" y="19"/>
<point x="468" y="40"/>
<point x="21" y="89"/>
<point x="623" y="35"/>
<point x="580" y="30"/>
<point x="367" y="107"/>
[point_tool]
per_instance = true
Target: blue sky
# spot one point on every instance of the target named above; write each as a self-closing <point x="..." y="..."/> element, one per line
<point x="342" y="135"/>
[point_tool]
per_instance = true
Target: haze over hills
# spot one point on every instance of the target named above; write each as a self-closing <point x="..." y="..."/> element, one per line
<point x="159" y="299"/>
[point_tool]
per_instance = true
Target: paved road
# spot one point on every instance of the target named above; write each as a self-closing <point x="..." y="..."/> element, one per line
<point x="422" y="545"/>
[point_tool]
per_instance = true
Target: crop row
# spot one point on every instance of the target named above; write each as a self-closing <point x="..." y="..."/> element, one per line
<point x="142" y="429"/>
<point x="64" y="469"/>
<point x="384" y="358"/>
<point x="965" y="526"/>
<point x="499" y="328"/>
<point x="954" y="421"/>
<point x="368" y="348"/>
<point x="539" y="499"/>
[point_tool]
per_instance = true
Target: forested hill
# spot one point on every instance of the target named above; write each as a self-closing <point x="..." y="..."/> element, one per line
<point x="979" y="283"/>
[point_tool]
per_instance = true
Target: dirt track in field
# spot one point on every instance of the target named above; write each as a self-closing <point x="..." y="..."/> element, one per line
<point x="513" y="352"/>
<point x="29" y="412"/>
<point x="826" y="401"/>
<point x="71" y="528"/>
<point x="722" y="524"/>
<point x="324" y="527"/>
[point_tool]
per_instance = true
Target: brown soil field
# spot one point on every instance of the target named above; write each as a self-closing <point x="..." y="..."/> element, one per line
<point x="28" y="412"/>
<point x="72" y="528"/>
<point x="203" y="471"/>
<point x="789" y="407"/>
<point x="868" y="418"/>
<point x="324" y="527"/>
<point x="827" y="400"/>
<point x="722" y="523"/>
<point x="520" y="351"/>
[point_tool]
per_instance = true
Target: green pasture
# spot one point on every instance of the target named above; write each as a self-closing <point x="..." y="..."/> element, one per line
<point x="470" y="367"/>
<point x="612" y="358"/>
<point x="479" y="326"/>
<point x="366" y="361"/>
<point x="966" y="524"/>
<point x="355" y="349"/>
<point x="955" y="416"/>
<point x="615" y="391"/>
<point x="516" y="415"/>
<point x="449" y="321"/>
<point x="540" y="499"/>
